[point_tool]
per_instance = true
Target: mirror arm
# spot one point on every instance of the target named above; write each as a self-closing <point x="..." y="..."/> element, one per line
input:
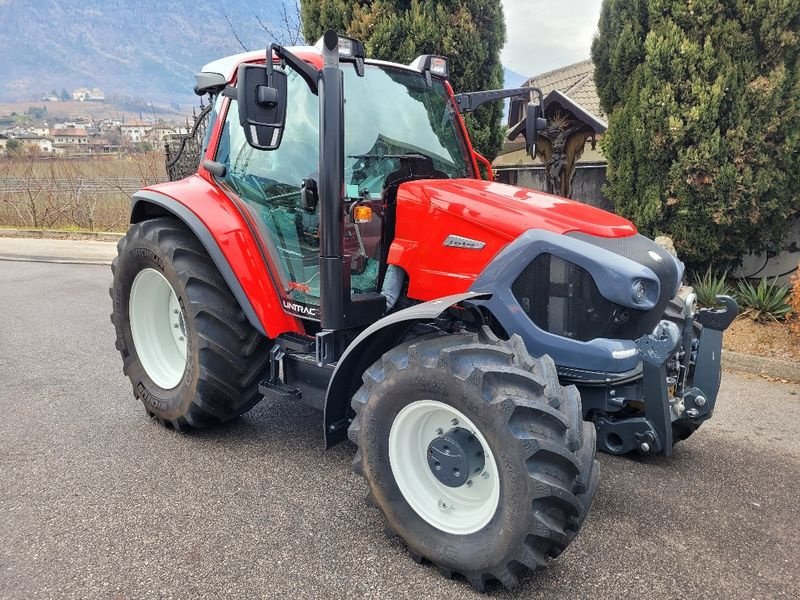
<point x="309" y="74"/>
<point x="470" y="101"/>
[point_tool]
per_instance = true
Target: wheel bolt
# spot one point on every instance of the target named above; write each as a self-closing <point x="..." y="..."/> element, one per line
<point x="469" y="483"/>
<point x="700" y="401"/>
<point x="176" y="326"/>
<point x="485" y="474"/>
<point x="439" y="431"/>
<point x="176" y="311"/>
<point x="454" y="422"/>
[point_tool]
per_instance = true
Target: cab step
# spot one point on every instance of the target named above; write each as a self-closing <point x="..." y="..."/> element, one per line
<point x="279" y="391"/>
<point x="296" y="342"/>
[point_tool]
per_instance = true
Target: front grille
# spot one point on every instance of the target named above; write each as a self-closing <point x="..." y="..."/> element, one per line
<point x="562" y="298"/>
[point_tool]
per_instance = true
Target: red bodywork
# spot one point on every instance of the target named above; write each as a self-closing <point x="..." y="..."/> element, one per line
<point x="427" y="212"/>
<point x="493" y="213"/>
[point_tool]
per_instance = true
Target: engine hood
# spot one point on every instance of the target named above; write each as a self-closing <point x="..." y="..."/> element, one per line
<point x="511" y="210"/>
<point x="492" y="214"/>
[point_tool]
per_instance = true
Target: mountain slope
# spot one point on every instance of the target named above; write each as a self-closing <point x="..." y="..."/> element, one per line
<point x="148" y="49"/>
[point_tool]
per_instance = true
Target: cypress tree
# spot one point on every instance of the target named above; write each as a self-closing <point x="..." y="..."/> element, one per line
<point x="704" y="129"/>
<point x="470" y="33"/>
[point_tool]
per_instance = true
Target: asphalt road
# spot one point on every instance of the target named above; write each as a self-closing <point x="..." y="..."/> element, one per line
<point x="97" y="501"/>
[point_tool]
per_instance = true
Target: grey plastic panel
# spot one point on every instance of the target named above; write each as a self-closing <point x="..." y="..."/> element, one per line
<point x="613" y="274"/>
<point x="209" y="243"/>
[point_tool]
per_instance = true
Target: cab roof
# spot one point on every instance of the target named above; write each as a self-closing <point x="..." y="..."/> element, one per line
<point x="227" y="66"/>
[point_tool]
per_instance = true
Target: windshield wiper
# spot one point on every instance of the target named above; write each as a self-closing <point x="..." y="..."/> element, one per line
<point x="413" y="155"/>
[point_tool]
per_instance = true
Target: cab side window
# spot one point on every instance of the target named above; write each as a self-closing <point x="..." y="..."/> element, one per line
<point x="269" y="183"/>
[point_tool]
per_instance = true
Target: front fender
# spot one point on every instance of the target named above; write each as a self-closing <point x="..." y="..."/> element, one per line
<point x="229" y="241"/>
<point x="368" y="347"/>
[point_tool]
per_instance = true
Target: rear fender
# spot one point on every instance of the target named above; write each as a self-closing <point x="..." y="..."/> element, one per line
<point x="367" y="348"/>
<point x="229" y="242"/>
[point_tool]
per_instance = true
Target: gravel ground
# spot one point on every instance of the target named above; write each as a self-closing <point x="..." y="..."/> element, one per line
<point x="99" y="502"/>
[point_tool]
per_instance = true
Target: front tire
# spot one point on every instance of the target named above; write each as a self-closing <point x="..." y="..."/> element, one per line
<point x="190" y="353"/>
<point x="522" y="502"/>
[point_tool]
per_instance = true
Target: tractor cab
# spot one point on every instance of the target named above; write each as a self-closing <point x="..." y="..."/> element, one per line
<point x="316" y="164"/>
<point x="397" y="126"/>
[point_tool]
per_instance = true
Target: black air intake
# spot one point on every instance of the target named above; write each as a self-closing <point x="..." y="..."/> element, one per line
<point x="563" y="299"/>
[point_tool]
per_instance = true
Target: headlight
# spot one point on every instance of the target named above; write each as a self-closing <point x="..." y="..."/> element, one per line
<point x="638" y="291"/>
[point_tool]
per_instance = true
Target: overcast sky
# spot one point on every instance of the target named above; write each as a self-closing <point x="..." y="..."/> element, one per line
<point x="544" y="35"/>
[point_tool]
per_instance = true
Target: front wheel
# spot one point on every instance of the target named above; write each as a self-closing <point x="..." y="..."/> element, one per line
<point x="192" y="357"/>
<point x="477" y="456"/>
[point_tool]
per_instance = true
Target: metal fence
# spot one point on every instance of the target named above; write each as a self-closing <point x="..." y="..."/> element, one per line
<point x="21" y="185"/>
<point x="92" y="194"/>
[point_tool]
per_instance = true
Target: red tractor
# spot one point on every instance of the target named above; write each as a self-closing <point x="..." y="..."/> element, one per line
<point x="336" y="246"/>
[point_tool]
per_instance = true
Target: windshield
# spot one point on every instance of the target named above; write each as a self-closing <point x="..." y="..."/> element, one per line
<point x="393" y="116"/>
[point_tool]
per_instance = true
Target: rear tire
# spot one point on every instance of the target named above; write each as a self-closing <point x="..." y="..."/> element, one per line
<point x="163" y="278"/>
<point x="532" y="435"/>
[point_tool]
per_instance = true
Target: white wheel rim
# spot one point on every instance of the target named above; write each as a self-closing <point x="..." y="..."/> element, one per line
<point x="158" y="327"/>
<point x="458" y="510"/>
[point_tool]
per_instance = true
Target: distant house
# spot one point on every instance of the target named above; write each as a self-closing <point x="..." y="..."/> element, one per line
<point x="70" y="140"/>
<point x="572" y="85"/>
<point x="88" y="95"/>
<point x="32" y="143"/>
<point x="3" y="142"/>
<point x="575" y="81"/>
<point x="100" y="145"/>
<point x="160" y="132"/>
<point x="135" y="132"/>
<point x="50" y="98"/>
<point x="105" y="125"/>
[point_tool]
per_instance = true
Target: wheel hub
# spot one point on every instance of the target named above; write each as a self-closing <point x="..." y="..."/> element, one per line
<point x="158" y="328"/>
<point x="455" y="456"/>
<point x="417" y="435"/>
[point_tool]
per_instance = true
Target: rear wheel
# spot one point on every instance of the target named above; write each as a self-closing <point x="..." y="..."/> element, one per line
<point x="192" y="357"/>
<point x="475" y="453"/>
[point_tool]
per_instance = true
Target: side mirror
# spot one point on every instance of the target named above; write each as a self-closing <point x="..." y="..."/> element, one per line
<point x="534" y="123"/>
<point x="261" y="95"/>
<point x="309" y="198"/>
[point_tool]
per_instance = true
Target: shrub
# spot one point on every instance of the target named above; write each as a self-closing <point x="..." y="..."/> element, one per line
<point x="709" y="286"/>
<point x="703" y="99"/>
<point x="764" y="302"/>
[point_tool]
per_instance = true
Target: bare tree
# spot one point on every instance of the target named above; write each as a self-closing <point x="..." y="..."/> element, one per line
<point x="289" y="29"/>
<point x="233" y="31"/>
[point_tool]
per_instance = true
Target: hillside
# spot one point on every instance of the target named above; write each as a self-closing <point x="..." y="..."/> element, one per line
<point x="146" y="49"/>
